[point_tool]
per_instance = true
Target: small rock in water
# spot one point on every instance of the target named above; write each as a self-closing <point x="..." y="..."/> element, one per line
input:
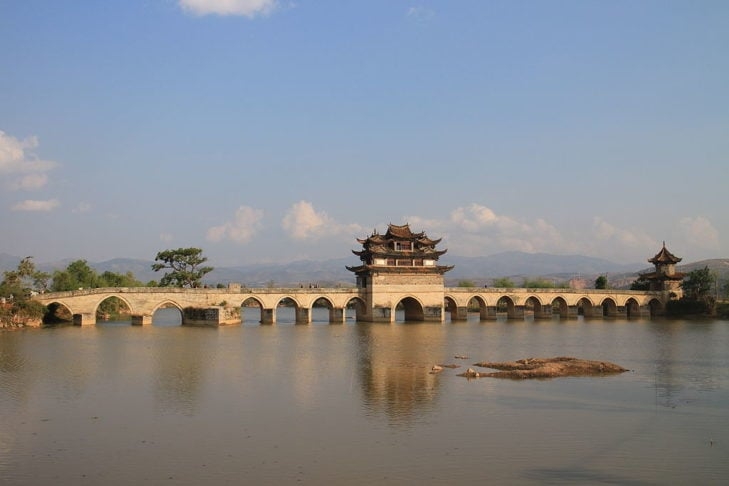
<point x="471" y="373"/>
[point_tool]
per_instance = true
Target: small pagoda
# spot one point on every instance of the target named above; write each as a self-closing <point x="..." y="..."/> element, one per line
<point x="665" y="277"/>
<point x="399" y="251"/>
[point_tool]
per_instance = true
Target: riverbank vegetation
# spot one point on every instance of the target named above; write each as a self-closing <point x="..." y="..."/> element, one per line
<point x="17" y="309"/>
<point x="699" y="295"/>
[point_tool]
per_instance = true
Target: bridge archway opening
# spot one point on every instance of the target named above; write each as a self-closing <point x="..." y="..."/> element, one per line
<point x="476" y="304"/>
<point x="656" y="307"/>
<point x="355" y="309"/>
<point x="532" y="307"/>
<point x="322" y="311"/>
<point x="113" y="310"/>
<point x="450" y="308"/>
<point x="505" y="306"/>
<point x="251" y="311"/>
<point x="409" y="310"/>
<point x="57" y="314"/>
<point x="585" y="308"/>
<point x="609" y="308"/>
<point x="167" y="314"/>
<point x="286" y="310"/>
<point x="632" y="308"/>
<point x="560" y="308"/>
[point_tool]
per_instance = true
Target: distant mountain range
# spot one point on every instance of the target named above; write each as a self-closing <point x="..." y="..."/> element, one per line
<point x="479" y="270"/>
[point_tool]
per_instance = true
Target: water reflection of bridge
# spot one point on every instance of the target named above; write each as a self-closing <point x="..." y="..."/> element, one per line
<point x="223" y="306"/>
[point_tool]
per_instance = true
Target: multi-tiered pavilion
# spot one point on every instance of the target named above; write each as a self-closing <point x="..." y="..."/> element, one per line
<point x="400" y="266"/>
<point x="664" y="278"/>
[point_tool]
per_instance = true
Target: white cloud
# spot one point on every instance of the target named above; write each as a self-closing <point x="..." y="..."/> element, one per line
<point x="699" y="232"/>
<point x="245" y="224"/>
<point x="19" y="162"/>
<point x="420" y="13"/>
<point x="246" y="8"/>
<point x="31" y="205"/>
<point x="29" y="182"/>
<point x="476" y="230"/>
<point x="303" y="222"/>
<point x="481" y="231"/>
<point x="166" y="237"/>
<point x="613" y="235"/>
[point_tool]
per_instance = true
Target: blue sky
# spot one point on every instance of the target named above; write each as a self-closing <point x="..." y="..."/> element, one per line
<point x="272" y="131"/>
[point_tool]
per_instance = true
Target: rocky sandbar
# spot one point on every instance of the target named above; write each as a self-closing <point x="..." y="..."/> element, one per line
<point x="547" y="368"/>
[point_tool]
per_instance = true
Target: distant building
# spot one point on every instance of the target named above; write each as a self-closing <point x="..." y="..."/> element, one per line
<point x="665" y="277"/>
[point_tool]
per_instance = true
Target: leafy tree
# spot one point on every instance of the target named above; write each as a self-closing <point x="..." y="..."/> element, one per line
<point x="697" y="285"/>
<point x="111" y="279"/>
<point x="538" y="283"/>
<point x="185" y="265"/>
<point x="697" y="296"/>
<point x="725" y="290"/>
<point x="78" y="274"/>
<point x="601" y="282"/>
<point x="466" y="283"/>
<point x="16" y="289"/>
<point x="503" y="282"/>
<point x="639" y="284"/>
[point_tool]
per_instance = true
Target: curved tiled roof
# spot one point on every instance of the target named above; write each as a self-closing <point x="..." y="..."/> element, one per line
<point x="665" y="256"/>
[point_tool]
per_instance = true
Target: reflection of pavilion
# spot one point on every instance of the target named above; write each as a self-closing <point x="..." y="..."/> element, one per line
<point x="394" y="364"/>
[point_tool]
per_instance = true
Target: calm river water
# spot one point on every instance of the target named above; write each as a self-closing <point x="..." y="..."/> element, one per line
<point x="355" y="404"/>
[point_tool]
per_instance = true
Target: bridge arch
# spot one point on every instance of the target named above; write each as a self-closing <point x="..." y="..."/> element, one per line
<point x="106" y="314"/>
<point x="323" y="301"/>
<point x="166" y="304"/>
<point x="506" y="304"/>
<point x="301" y="315"/>
<point x="656" y="307"/>
<point x="632" y="308"/>
<point x="585" y="307"/>
<point x="288" y="298"/>
<point x="480" y="303"/>
<point x="534" y="305"/>
<point x="412" y="309"/>
<point x="359" y="306"/>
<point x="170" y="320"/>
<point x="560" y="307"/>
<point x="609" y="307"/>
<point x="450" y="306"/>
<point x="58" y="313"/>
<point x="251" y="303"/>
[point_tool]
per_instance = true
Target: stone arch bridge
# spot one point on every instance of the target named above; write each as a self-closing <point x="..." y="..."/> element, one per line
<point x="214" y="307"/>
